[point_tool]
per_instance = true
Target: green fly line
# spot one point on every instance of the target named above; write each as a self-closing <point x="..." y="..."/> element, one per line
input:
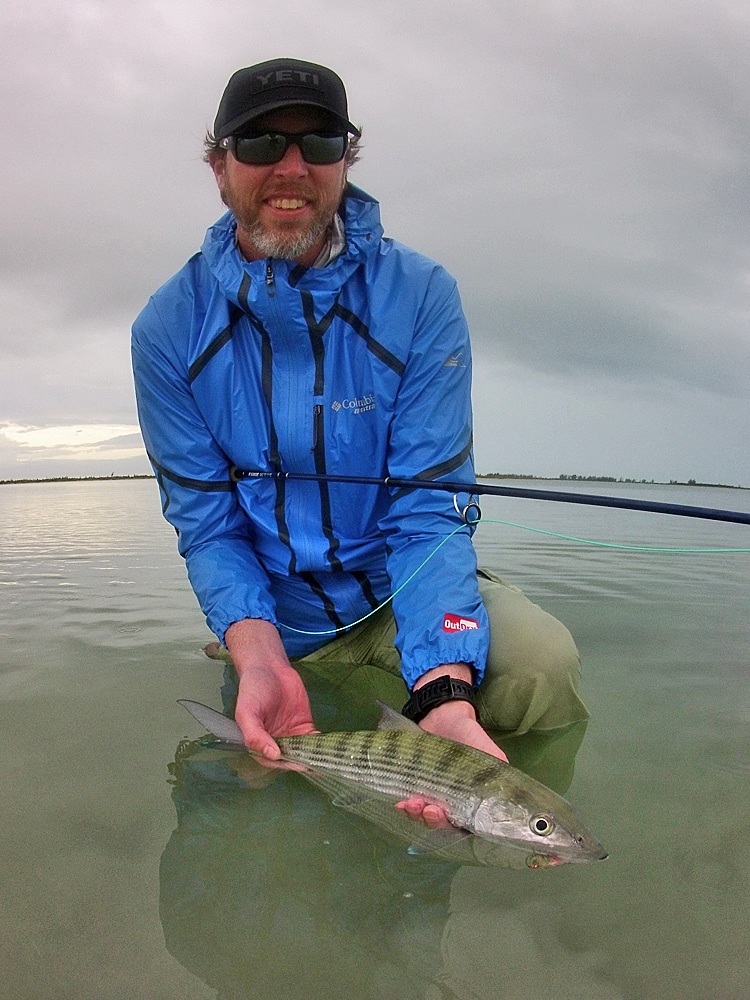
<point x="510" y="524"/>
<point x="609" y="545"/>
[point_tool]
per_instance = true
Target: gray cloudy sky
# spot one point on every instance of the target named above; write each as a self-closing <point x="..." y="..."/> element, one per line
<point x="580" y="167"/>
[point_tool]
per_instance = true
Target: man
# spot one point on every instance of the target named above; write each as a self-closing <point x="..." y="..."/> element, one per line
<point x="301" y="340"/>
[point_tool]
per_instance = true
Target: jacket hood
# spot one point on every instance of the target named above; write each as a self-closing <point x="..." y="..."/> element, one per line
<point x="361" y="216"/>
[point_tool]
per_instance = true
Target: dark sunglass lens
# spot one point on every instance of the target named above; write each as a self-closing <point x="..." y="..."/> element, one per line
<point x="322" y="148"/>
<point x="270" y="148"/>
<point x="260" y="149"/>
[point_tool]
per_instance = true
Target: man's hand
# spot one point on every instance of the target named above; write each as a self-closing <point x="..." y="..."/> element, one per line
<point x="272" y="700"/>
<point x="454" y="720"/>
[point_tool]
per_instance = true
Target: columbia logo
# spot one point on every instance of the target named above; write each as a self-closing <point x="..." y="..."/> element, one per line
<point x="359" y="405"/>
<point x="455" y="361"/>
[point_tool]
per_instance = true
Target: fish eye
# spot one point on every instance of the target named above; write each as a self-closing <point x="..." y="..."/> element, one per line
<point x="542" y="825"/>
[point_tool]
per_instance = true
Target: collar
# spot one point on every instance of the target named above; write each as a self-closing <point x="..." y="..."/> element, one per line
<point x="334" y="245"/>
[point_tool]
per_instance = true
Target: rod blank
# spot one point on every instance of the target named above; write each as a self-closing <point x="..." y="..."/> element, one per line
<point x="490" y="489"/>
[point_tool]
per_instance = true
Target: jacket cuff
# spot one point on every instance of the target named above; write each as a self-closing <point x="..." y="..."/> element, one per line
<point x="469" y="647"/>
<point x="220" y="621"/>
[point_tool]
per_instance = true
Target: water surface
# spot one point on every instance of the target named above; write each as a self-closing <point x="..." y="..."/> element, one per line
<point x="137" y="863"/>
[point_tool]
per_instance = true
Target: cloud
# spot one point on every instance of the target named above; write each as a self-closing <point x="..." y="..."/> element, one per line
<point x="81" y="443"/>
<point x="581" y="168"/>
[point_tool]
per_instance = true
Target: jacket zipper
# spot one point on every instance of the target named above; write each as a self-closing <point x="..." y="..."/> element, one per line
<point x="317" y="417"/>
<point x="270" y="281"/>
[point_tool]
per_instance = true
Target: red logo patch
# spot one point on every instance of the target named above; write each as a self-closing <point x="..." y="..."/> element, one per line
<point x="455" y="623"/>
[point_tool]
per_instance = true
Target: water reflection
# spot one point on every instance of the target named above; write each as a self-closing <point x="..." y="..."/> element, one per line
<point x="273" y="891"/>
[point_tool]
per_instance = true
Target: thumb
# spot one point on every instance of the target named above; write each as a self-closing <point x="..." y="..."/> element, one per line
<point x="257" y="740"/>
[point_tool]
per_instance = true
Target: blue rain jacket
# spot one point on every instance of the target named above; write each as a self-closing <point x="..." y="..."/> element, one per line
<point x="360" y="368"/>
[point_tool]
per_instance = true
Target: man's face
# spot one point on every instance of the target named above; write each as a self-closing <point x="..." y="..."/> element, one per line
<point x="282" y="209"/>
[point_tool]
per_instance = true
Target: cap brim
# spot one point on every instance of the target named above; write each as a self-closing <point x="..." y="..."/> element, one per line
<point x="238" y="123"/>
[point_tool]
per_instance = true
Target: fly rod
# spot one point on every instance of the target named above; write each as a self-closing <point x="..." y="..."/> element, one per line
<point x="490" y="489"/>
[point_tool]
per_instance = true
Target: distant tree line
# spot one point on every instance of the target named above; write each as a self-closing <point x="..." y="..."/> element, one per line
<point x="604" y="479"/>
<point x="574" y="477"/>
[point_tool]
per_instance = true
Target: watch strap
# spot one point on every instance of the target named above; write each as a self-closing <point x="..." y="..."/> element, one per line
<point x="437" y="692"/>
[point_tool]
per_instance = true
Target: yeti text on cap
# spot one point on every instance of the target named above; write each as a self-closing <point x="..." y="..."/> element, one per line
<point x="282" y="76"/>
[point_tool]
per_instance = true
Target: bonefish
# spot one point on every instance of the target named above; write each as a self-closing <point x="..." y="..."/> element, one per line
<point x="480" y="793"/>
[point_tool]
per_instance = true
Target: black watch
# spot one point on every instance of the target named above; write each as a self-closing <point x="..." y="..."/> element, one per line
<point x="437" y="692"/>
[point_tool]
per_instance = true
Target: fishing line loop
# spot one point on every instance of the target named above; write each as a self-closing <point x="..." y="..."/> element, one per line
<point x="471" y="507"/>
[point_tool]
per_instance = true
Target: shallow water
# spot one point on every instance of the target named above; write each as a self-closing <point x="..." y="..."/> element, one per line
<point x="137" y="865"/>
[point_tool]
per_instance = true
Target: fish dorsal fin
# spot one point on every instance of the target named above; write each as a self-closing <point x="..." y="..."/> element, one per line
<point x="391" y="719"/>
<point x="218" y="725"/>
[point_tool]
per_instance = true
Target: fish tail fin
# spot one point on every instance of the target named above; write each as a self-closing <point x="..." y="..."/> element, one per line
<point x="218" y="725"/>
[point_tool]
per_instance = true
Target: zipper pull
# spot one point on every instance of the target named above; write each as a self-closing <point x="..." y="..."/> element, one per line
<point x="270" y="281"/>
<point x="317" y="414"/>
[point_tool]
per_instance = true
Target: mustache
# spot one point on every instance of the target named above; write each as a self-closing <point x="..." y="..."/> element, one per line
<point x="289" y="192"/>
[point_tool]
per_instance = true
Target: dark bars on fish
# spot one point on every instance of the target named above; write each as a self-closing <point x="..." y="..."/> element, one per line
<point x="489" y="489"/>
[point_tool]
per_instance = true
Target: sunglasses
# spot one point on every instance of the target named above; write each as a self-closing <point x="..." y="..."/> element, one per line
<point x="316" y="147"/>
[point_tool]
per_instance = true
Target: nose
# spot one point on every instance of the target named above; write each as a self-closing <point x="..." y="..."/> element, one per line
<point x="291" y="163"/>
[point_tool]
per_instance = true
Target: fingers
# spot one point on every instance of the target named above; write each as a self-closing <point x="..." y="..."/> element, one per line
<point x="430" y="813"/>
<point x="257" y="740"/>
<point x="265" y="746"/>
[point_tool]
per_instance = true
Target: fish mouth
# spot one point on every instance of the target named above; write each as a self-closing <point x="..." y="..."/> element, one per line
<point x="585" y="857"/>
<point x="538" y="860"/>
<point x="594" y="852"/>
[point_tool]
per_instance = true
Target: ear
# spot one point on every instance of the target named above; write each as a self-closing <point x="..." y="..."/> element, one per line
<point x="217" y="160"/>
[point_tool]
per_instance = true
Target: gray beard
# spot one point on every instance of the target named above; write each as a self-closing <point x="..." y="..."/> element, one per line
<point x="283" y="247"/>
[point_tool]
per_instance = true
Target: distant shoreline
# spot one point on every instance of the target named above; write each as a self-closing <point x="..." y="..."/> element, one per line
<point x="611" y="479"/>
<point x="483" y="475"/>
<point x="74" y="479"/>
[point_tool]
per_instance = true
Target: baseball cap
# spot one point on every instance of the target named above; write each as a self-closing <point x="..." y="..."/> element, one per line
<point x="280" y="83"/>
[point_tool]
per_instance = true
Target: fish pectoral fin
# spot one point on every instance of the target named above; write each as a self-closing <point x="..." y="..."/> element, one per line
<point x="451" y="844"/>
<point x="438" y="841"/>
<point x="391" y="719"/>
<point x="343" y="792"/>
<point x="347" y="801"/>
